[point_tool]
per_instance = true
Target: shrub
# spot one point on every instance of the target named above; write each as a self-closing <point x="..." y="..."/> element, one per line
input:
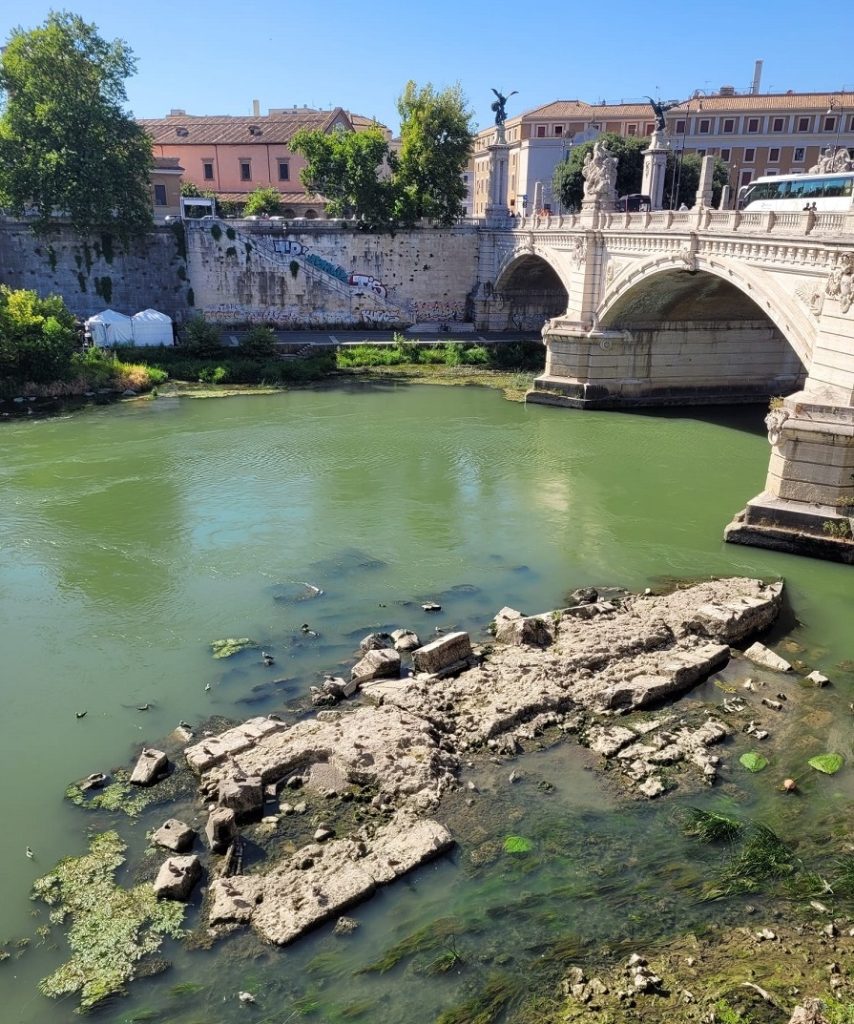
<point x="213" y="375"/>
<point x="454" y="352"/>
<point x="369" y="355"/>
<point x="259" y="343"/>
<point x="202" y="338"/>
<point x="37" y="336"/>
<point x="216" y="232"/>
<point x="475" y="355"/>
<point x="263" y="200"/>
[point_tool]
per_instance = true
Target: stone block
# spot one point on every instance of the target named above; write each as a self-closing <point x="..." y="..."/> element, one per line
<point x="174" y="835"/>
<point x="405" y="640"/>
<point x="442" y="653"/>
<point x="221" y="829"/>
<point x="151" y="766"/>
<point x="376" y="665"/>
<point x="244" y="796"/>
<point x="759" y="654"/>
<point x="176" y="878"/>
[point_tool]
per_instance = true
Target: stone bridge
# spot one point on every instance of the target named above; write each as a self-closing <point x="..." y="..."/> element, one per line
<point x="684" y="308"/>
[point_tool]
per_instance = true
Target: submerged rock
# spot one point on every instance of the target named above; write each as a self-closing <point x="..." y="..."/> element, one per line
<point x="318" y="882"/>
<point x="231" y="645"/>
<point x="177" y="877"/>
<point x="759" y="654"/>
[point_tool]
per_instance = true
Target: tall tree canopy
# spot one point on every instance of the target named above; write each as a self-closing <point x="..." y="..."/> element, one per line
<point x="357" y="174"/>
<point x="67" y="146"/>
<point x="346" y="168"/>
<point x="682" y="176"/>
<point x="436" y="142"/>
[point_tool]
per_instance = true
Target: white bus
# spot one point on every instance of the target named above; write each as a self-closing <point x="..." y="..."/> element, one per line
<point x="833" y="191"/>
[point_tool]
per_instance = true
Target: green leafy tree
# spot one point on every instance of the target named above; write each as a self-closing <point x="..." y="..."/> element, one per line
<point x="259" y="343"/>
<point x="683" y="179"/>
<point x="568" y="183"/>
<point x="201" y="338"/>
<point x="436" y="142"/>
<point x="263" y="200"/>
<point x="346" y="169"/>
<point x="67" y="146"/>
<point x="37" y="337"/>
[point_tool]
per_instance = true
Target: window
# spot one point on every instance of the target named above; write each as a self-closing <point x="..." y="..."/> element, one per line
<point x="728" y="125"/>
<point x="207" y="170"/>
<point x="773" y="156"/>
<point x="745" y="177"/>
<point x="803" y="124"/>
<point x="680" y="126"/>
<point x="701" y="153"/>
<point x="245" y="170"/>
<point x="725" y="153"/>
<point x="648" y="128"/>
<point x="749" y="156"/>
<point x="752" y="125"/>
<point x="799" y="155"/>
<point x="284" y="170"/>
<point x="829" y="124"/>
<point x="778" y="124"/>
<point x="558" y="129"/>
<point x="541" y="131"/>
<point x="631" y="129"/>
<point x="159" y="195"/>
<point x="851" y="123"/>
<point x="705" y="124"/>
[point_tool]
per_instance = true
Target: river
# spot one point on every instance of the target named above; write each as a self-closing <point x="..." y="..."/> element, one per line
<point x="133" y="535"/>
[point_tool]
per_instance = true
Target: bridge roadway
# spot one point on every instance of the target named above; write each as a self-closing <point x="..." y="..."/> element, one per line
<point x="700" y="306"/>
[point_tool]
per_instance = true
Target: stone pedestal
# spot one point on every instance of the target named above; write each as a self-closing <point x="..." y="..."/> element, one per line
<point x="807" y="506"/>
<point x="497" y="210"/>
<point x="655" y="169"/>
<point x="703" y="198"/>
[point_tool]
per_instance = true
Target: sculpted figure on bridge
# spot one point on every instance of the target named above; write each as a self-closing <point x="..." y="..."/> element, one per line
<point x="840" y="283"/>
<point x="833" y="160"/>
<point x="499" y="104"/>
<point x="600" y="173"/>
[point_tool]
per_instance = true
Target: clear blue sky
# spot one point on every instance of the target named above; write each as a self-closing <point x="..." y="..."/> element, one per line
<point x="217" y="57"/>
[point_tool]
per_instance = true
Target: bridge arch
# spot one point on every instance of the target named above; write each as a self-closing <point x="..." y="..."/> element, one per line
<point x="530" y="289"/>
<point x="687" y="287"/>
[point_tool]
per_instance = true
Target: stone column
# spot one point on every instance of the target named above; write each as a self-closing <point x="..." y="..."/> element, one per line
<point x="704" y="188"/>
<point x="654" y="169"/>
<point x="497" y="209"/>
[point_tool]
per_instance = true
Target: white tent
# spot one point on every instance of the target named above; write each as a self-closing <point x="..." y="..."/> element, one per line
<point x="152" y="328"/>
<point x="110" y="328"/>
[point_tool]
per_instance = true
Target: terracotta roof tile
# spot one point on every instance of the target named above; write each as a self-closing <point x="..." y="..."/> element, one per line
<point x="815" y="101"/>
<point x="190" y="129"/>
<point x="288" y="198"/>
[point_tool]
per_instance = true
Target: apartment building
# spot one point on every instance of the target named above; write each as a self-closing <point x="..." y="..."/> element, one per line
<point x="165" y="177"/>
<point x="758" y="135"/>
<point x="232" y="156"/>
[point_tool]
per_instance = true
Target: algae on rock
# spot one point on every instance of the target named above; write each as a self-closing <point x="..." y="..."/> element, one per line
<point x="231" y="645"/>
<point x="111" y="928"/>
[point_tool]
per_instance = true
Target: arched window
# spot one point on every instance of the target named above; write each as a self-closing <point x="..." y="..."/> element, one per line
<point x="310" y="214"/>
<point x="288" y="212"/>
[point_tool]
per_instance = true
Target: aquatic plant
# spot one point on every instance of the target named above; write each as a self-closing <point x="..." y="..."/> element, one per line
<point x="487" y="1005"/>
<point x="711" y="826"/>
<point x="427" y="939"/>
<point x="752" y="761"/>
<point x="829" y="764"/>
<point x="231" y="645"/>
<point x="120" y="795"/>
<point x="111" y="929"/>
<point x="517" y="844"/>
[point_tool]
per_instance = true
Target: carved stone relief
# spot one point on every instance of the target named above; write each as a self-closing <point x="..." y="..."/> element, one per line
<point x="774" y="424"/>
<point x="840" y="282"/>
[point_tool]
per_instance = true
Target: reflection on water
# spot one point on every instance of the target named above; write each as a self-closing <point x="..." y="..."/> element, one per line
<point x="132" y="536"/>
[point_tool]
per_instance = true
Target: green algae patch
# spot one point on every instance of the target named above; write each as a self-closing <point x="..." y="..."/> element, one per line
<point x="120" y="795"/>
<point x="231" y="645"/>
<point x="111" y="929"/>
<point x="517" y="844"/>
<point x="829" y="764"/>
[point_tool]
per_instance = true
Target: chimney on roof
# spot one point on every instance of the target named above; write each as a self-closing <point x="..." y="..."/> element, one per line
<point x="757" y="77"/>
<point x="256" y="108"/>
<point x="727" y="90"/>
<point x="177" y="112"/>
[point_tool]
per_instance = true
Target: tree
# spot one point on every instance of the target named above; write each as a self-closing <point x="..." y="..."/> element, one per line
<point x="685" y="172"/>
<point x="346" y="169"/>
<point x="436" y="142"/>
<point x="67" y="146"/>
<point x="263" y="200"/>
<point x="37" y="336"/>
<point x="568" y="183"/>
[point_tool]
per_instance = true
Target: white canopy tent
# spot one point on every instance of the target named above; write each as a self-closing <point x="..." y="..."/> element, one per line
<point x="152" y="328"/>
<point x="110" y="328"/>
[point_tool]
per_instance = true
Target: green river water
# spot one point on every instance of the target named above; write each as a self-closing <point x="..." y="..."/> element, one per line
<point x="133" y="535"/>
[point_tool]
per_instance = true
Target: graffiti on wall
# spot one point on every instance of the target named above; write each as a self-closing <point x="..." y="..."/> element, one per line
<point x="288" y="248"/>
<point x="333" y="269"/>
<point x="438" y="311"/>
<point x="292" y="317"/>
<point x="369" y="283"/>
